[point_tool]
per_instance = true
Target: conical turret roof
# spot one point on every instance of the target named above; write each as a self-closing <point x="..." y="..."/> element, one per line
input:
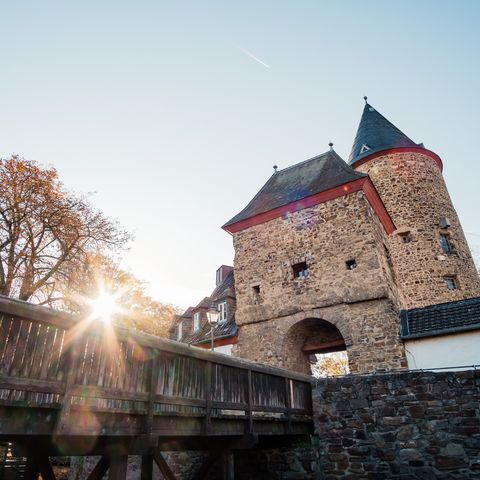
<point x="375" y="133"/>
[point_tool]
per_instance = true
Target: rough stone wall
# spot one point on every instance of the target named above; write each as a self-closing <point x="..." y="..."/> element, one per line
<point x="415" y="425"/>
<point x="359" y="302"/>
<point x="414" y="193"/>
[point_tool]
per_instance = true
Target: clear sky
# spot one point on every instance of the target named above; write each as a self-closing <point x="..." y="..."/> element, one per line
<point x="174" y="112"/>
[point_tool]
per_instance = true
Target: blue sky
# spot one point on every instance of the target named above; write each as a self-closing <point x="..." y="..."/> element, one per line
<point x="157" y="107"/>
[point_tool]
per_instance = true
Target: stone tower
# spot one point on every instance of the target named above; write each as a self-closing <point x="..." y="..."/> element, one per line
<point x="429" y="255"/>
<point x="330" y="256"/>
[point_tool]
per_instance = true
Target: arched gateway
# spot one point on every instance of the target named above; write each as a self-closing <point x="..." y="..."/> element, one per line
<point x="307" y="338"/>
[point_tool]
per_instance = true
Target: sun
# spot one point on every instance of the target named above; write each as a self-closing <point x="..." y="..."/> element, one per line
<point x="104" y="306"/>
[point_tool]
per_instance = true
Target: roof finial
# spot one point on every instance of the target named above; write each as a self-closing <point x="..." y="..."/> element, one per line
<point x="275" y="168"/>
<point x="331" y="146"/>
<point x="365" y="98"/>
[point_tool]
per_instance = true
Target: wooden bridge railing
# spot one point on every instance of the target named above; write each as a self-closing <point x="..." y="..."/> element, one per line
<point x="85" y="370"/>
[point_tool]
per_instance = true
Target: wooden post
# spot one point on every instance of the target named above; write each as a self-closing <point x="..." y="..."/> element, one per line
<point x="163" y="465"/>
<point x="64" y="417"/>
<point x="147" y="467"/>
<point x="208" y="398"/>
<point x="152" y="390"/>
<point x="228" y="465"/>
<point x="288" y="404"/>
<point x="118" y="467"/>
<point x="250" y="402"/>
<point x="100" y="469"/>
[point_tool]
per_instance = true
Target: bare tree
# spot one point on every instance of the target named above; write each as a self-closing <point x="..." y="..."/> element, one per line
<point x="46" y="231"/>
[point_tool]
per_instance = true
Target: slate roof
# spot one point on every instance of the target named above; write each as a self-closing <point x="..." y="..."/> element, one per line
<point x="222" y="330"/>
<point x="440" y="319"/>
<point x="299" y="181"/>
<point x="375" y="133"/>
<point x="228" y="328"/>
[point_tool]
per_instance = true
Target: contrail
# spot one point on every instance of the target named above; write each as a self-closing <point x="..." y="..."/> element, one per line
<point x="251" y="55"/>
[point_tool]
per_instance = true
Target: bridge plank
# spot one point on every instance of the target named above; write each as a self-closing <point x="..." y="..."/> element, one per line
<point x="19" y="350"/>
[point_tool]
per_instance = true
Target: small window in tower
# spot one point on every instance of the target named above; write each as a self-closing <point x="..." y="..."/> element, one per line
<point x="446" y="244"/>
<point x="256" y="293"/>
<point x="300" y="270"/>
<point x="451" y="283"/>
<point x="351" y="264"/>
<point x="406" y="237"/>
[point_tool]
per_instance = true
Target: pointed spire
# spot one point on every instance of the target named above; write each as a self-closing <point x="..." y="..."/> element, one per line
<point x="375" y="133"/>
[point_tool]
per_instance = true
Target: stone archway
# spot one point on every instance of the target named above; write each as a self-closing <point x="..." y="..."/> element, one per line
<point x="309" y="337"/>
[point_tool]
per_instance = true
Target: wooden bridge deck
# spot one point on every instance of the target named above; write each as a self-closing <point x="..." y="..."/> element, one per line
<point x="72" y="386"/>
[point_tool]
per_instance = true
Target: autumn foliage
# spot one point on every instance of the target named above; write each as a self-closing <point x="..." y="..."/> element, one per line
<point x="55" y="246"/>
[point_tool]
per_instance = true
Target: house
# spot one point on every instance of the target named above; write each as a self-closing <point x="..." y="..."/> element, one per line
<point x="192" y="326"/>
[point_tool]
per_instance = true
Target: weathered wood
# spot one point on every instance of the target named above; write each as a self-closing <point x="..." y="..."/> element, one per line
<point x="63" y="421"/>
<point x="163" y="465"/>
<point x="250" y="403"/>
<point x="30" y="385"/>
<point x="228" y="465"/>
<point x="100" y="469"/>
<point x="118" y="467"/>
<point x="134" y="385"/>
<point x="152" y="388"/>
<point x="208" y="399"/>
<point x="65" y="321"/>
<point x="288" y="399"/>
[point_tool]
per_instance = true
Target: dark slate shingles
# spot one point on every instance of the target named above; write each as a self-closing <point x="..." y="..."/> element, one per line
<point x="299" y="181"/>
<point x="375" y="133"/>
<point x="441" y="318"/>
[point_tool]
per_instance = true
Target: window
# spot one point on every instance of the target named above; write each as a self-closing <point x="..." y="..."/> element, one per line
<point x="300" y="270"/>
<point x="256" y="293"/>
<point x="196" y="321"/>
<point x="451" y="283"/>
<point x="406" y="237"/>
<point x="222" y="308"/>
<point x="179" y="331"/>
<point x="351" y="264"/>
<point x="445" y="243"/>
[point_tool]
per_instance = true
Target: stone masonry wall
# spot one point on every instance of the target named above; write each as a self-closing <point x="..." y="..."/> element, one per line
<point x="414" y="193"/>
<point x="415" y="425"/>
<point x="359" y="302"/>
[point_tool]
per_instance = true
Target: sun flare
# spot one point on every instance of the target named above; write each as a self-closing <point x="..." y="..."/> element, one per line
<point x="104" y="306"/>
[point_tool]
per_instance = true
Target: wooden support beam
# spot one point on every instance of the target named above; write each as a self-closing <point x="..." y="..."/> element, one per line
<point x="208" y="398"/>
<point x="250" y="403"/>
<point x="146" y="472"/>
<point x="325" y="347"/>
<point x="100" y="469"/>
<point x="228" y="465"/>
<point x="118" y="467"/>
<point x="163" y="465"/>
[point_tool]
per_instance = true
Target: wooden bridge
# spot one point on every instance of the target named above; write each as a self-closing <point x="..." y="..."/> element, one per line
<point x="70" y="386"/>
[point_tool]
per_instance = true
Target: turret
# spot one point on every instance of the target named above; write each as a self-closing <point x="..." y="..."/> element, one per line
<point x="428" y="253"/>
